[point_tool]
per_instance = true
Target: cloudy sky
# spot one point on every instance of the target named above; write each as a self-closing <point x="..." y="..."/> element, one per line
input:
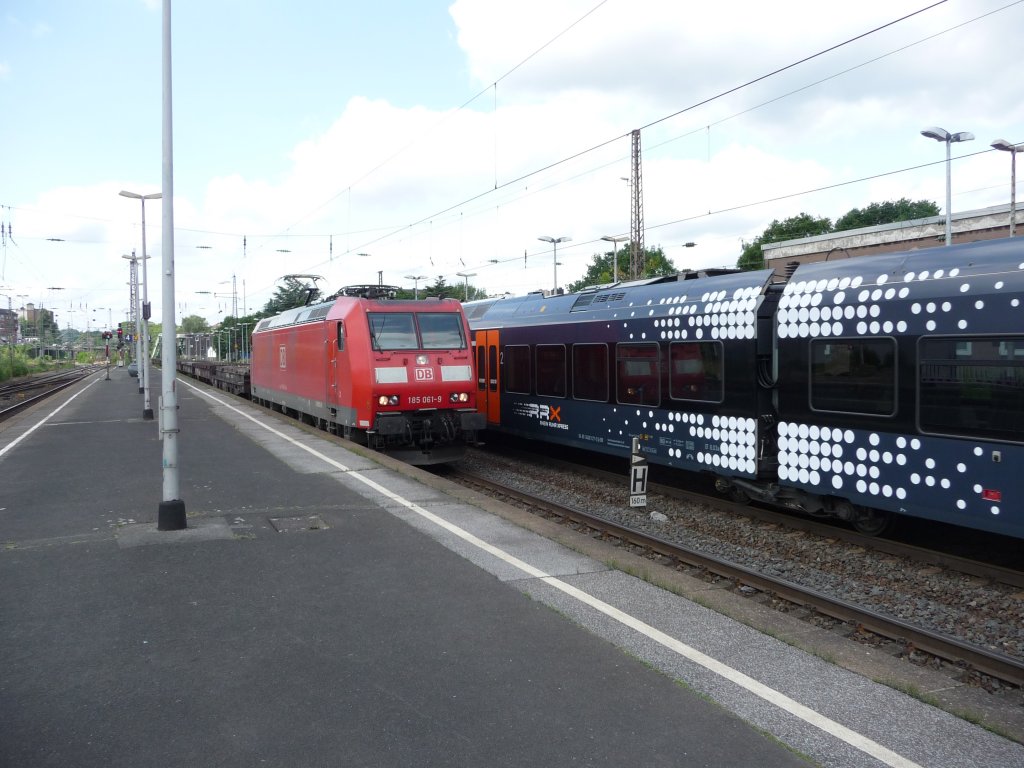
<point x="416" y="137"/>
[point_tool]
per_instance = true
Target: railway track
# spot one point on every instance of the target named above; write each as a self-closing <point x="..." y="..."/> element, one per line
<point x="19" y="394"/>
<point x="1013" y="577"/>
<point x="984" y="660"/>
<point x="828" y="529"/>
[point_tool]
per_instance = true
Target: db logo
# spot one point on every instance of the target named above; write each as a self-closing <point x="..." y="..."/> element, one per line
<point x="424" y="374"/>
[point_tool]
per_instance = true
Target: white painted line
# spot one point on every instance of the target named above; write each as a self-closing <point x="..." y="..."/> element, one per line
<point x="770" y="695"/>
<point x="13" y="443"/>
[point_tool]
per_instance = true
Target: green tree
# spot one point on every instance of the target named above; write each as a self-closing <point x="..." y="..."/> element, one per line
<point x="886" y="213"/>
<point x="656" y="263"/>
<point x="442" y="290"/>
<point x="803" y="225"/>
<point x="193" y="324"/>
<point x="293" y="293"/>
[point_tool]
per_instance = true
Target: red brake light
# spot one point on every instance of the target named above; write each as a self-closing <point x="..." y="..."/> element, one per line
<point x="990" y="495"/>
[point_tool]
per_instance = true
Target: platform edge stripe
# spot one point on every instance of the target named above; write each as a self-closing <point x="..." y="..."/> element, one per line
<point x="762" y="691"/>
<point x="49" y="416"/>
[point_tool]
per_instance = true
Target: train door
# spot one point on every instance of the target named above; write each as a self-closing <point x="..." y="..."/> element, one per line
<point x="487" y="375"/>
<point x="331" y="374"/>
<point x="339" y="389"/>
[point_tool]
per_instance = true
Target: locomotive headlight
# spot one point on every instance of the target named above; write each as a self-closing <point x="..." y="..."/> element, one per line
<point x="422" y="359"/>
<point x="387" y="400"/>
<point x="459" y="397"/>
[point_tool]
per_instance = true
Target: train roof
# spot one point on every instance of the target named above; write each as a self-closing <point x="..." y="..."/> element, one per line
<point x="928" y="269"/>
<point x="639" y="298"/>
<point x="911" y="276"/>
<point x="344" y="300"/>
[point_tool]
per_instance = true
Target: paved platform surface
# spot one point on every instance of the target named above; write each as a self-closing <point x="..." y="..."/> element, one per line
<point x="325" y="609"/>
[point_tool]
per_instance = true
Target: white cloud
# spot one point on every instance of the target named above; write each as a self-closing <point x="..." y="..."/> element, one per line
<point x="394" y="182"/>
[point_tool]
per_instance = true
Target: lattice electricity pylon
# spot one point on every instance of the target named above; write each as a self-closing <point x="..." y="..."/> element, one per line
<point x="637" y="255"/>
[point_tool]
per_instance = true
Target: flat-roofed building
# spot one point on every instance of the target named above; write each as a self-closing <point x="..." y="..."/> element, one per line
<point x="967" y="227"/>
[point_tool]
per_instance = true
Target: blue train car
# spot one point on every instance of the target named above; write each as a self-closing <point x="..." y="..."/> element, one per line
<point x="859" y="388"/>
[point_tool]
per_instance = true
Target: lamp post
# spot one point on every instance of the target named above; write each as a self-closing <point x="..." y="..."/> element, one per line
<point x="144" y="371"/>
<point x="416" y="285"/>
<point x="466" y="276"/>
<point x="1006" y="146"/>
<point x="615" y="254"/>
<point x="941" y="134"/>
<point x="137" y="314"/>
<point x="554" y="246"/>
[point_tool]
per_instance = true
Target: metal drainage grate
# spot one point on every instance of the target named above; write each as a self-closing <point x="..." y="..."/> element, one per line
<point x="297" y="524"/>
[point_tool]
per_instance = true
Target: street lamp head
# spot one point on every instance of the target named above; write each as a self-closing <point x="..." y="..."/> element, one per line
<point x="553" y="240"/>
<point x="1006" y="146"/>
<point x="615" y="239"/>
<point x="137" y="196"/>
<point x="939" y="134"/>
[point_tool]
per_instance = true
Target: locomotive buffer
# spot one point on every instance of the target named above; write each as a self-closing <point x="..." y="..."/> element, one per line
<point x="637" y="476"/>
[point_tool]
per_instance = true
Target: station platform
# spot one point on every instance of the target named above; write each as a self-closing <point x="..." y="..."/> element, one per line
<point x="330" y="607"/>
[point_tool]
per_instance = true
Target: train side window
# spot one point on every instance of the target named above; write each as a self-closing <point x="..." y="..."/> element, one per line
<point x="854" y="376"/>
<point x="517" y="372"/>
<point x="695" y="370"/>
<point x="492" y="367"/>
<point x="481" y="369"/>
<point x="551" y="370"/>
<point x="590" y="372"/>
<point x="638" y="374"/>
<point x="341" y="335"/>
<point x="972" y="386"/>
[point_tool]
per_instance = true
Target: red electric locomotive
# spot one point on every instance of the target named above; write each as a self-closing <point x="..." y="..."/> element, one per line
<point x="395" y="374"/>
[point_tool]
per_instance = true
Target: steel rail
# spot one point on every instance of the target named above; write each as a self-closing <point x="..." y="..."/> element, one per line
<point x="1009" y="576"/>
<point x="987" y="661"/>
<point x="52" y="385"/>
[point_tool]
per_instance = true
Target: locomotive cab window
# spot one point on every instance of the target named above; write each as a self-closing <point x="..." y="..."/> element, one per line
<point x="551" y="370"/>
<point x="590" y="372"/>
<point x="427" y="330"/>
<point x="854" y="376"/>
<point x="341" y="335"/>
<point x="637" y="374"/>
<point x="972" y="387"/>
<point x="695" y="371"/>
<point x="517" y="369"/>
<point x="441" y="330"/>
<point x="392" y="330"/>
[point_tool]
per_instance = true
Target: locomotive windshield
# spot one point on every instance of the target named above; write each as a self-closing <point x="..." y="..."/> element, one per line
<point x="422" y="330"/>
<point x="441" y="330"/>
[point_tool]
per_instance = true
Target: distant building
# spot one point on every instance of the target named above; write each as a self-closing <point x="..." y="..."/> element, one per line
<point x="8" y="326"/>
<point x="967" y="227"/>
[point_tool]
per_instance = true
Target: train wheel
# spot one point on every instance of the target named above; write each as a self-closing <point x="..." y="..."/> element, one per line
<point x="872" y="522"/>
<point x="738" y="495"/>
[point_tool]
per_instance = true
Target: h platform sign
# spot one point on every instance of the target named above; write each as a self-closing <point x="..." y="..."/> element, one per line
<point x="637" y="477"/>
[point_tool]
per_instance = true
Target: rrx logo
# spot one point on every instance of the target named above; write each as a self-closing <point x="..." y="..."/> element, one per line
<point x="543" y="412"/>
